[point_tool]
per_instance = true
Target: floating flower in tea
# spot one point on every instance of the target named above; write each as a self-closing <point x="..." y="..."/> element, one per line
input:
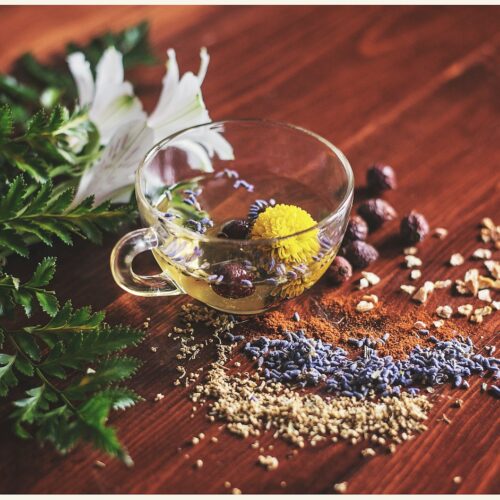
<point x="282" y="221"/>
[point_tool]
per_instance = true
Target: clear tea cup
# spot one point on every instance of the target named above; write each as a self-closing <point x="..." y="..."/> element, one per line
<point x="272" y="163"/>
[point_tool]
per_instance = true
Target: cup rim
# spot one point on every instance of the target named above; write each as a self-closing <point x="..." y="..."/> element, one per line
<point x="202" y="237"/>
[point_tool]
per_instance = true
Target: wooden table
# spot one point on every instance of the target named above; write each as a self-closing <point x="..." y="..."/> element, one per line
<point x="417" y="87"/>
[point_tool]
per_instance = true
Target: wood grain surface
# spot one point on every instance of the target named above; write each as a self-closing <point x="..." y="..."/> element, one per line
<point x="416" y="87"/>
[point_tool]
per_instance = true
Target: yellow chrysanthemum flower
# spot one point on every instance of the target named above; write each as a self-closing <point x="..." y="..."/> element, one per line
<point x="283" y="220"/>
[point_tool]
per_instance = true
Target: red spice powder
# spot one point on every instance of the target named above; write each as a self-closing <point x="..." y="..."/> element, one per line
<point x="334" y="319"/>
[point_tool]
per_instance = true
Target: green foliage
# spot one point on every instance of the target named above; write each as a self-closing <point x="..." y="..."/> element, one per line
<point x="132" y="42"/>
<point x="52" y="144"/>
<point x="14" y="293"/>
<point x="30" y="213"/>
<point x="51" y="84"/>
<point x="73" y="365"/>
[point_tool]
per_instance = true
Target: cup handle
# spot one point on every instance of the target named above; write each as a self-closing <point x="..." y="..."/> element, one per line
<point x="122" y="256"/>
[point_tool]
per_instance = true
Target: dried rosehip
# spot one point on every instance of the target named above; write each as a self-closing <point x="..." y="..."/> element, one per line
<point x="380" y="178"/>
<point x="236" y="229"/>
<point x="360" y="254"/>
<point x="375" y="212"/>
<point x="339" y="271"/>
<point x="236" y="281"/>
<point x="357" y="229"/>
<point x="414" y="228"/>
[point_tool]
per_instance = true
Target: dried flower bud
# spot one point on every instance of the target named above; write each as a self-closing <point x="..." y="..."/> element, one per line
<point x="414" y="228"/>
<point x="381" y="178"/>
<point x="339" y="271"/>
<point x="360" y="254"/>
<point x="236" y="229"/>
<point x="357" y="229"/>
<point x="376" y="211"/>
<point x="236" y="281"/>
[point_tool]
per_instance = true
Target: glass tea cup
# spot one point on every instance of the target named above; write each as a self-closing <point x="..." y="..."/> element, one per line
<point x="182" y="188"/>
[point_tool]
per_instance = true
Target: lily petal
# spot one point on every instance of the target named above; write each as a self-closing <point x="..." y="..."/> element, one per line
<point x="116" y="167"/>
<point x="109" y="69"/>
<point x="80" y="70"/>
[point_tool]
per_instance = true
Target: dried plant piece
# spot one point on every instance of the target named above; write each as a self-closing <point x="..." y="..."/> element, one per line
<point x="380" y="177"/>
<point x="364" y="306"/>
<point x="484" y="295"/>
<point x="363" y="283"/>
<point x="370" y="298"/>
<point x="482" y="254"/>
<point x="456" y="259"/>
<point x="415" y="274"/>
<point x="471" y="280"/>
<point x="372" y="278"/>
<point x="490" y="232"/>
<point x="440" y="232"/>
<point x="412" y="261"/>
<point x="442" y="284"/>
<point x="360" y="254"/>
<point x="423" y="292"/>
<point x="420" y="324"/>
<point x="410" y="251"/>
<point x="339" y="271"/>
<point x="493" y="267"/>
<point x="414" y="228"/>
<point x="357" y="229"/>
<point x="340" y="487"/>
<point x="376" y="212"/>
<point x="465" y="310"/>
<point x="444" y="312"/>
<point x="486" y="282"/>
<point x="409" y="289"/>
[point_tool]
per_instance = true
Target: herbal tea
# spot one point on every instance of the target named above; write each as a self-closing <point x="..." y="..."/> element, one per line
<point x="280" y="253"/>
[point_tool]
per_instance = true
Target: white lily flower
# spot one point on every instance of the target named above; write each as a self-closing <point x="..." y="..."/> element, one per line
<point x="128" y="135"/>
<point x="112" y="177"/>
<point x="181" y="106"/>
<point x="110" y="99"/>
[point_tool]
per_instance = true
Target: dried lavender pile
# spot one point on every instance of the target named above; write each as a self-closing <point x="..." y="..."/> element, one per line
<point x="304" y="361"/>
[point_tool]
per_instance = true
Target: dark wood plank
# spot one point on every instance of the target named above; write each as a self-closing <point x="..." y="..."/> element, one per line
<point x="413" y="86"/>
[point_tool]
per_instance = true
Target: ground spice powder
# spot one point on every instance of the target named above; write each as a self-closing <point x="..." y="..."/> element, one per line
<point x="334" y="319"/>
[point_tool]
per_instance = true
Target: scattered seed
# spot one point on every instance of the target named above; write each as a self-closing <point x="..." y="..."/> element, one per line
<point x="99" y="464"/>
<point x="268" y="461"/>
<point x="199" y="464"/>
<point x="340" y="487"/>
<point x="365" y="306"/>
<point x="456" y="259"/>
<point x="409" y="289"/>
<point x="482" y="254"/>
<point x="368" y="452"/>
<point x="440" y="232"/>
<point x="412" y="261"/>
<point x="415" y="274"/>
<point x="444" y="312"/>
<point x="159" y="396"/>
<point x="457" y="479"/>
<point x="410" y="251"/>
<point x="236" y="491"/>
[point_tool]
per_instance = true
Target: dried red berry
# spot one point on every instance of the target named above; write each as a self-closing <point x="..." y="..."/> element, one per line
<point x="375" y="212"/>
<point x="236" y="281"/>
<point x="414" y="228"/>
<point x="360" y="254"/>
<point x="380" y="177"/>
<point x="357" y="229"/>
<point x="236" y="229"/>
<point x="339" y="271"/>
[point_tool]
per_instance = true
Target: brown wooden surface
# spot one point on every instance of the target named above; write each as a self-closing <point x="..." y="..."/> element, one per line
<point x="417" y="87"/>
